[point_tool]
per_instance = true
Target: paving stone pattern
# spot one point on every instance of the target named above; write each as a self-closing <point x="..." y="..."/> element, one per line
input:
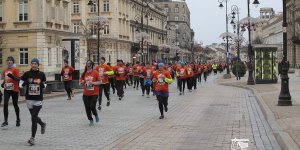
<point x="207" y="118"/>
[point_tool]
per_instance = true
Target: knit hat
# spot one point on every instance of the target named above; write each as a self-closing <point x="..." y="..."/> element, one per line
<point x="161" y="64"/>
<point x="36" y="60"/>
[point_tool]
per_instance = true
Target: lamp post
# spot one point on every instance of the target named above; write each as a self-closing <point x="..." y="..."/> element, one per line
<point x="99" y="21"/>
<point x="145" y="10"/>
<point x="227" y="38"/>
<point x="250" y="80"/>
<point x="284" y="97"/>
<point x="236" y="11"/>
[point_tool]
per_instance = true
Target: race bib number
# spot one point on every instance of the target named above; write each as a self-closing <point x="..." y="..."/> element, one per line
<point x="181" y="73"/>
<point x="148" y="73"/>
<point x="89" y="86"/>
<point x="121" y="70"/>
<point x="160" y="78"/>
<point x="66" y="76"/>
<point x="34" y="89"/>
<point x="9" y="86"/>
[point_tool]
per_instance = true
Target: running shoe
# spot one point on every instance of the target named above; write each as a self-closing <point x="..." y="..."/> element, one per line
<point x="161" y="117"/>
<point x="69" y="98"/>
<point x="143" y="94"/>
<point x="4" y="124"/>
<point x="97" y="118"/>
<point x="166" y="109"/>
<point x="43" y="128"/>
<point x="99" y="107"/>
<point x="31" y="141"/>
<point x="148" y="96"/>
<point x="120" y="98"/>
<point x="108" y="103"/>
<point x="180" y="93"/>
<point x="18" y="123"/>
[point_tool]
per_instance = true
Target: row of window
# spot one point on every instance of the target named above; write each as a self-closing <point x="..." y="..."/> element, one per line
<point x="176" y="10"/>
<point x="76" y="7"/>
<point x="93" y="29"/>
<point x="23" y="56"/>
<point x="22" y="11"/>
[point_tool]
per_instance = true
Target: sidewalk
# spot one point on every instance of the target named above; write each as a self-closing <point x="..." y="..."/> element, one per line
<point x="284" y="120"/>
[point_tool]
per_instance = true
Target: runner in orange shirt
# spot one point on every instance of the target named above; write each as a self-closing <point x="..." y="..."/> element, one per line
<point x="90" y="79"/>
<point x="66" y="74"/>
<point x="147" y="72"/>
<point x="120" y="72"/>
<point x="181" y="73"/>
<point x="11" y="76"/>
<point x="162" y="79"/>
<point x="104" y="71"/>
<point x="136" y="75"/>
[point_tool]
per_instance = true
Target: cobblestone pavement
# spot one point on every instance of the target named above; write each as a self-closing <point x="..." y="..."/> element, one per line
<point x="207" y="118"/>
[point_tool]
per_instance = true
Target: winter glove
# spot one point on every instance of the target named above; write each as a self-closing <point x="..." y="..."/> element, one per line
<point x="2" y="85"/>
<point x="11" y="76"/>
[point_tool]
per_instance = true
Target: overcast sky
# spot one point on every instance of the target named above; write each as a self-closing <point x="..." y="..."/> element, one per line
<point x="208" y="21"/>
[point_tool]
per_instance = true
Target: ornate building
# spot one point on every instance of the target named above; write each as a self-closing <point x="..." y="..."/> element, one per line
<point x="293" y="32"/>
<point x="34" y="28"/>
<point x="119" y="34"/>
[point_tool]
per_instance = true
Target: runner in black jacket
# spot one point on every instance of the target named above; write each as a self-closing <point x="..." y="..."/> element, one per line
<point x="34" y="81"/>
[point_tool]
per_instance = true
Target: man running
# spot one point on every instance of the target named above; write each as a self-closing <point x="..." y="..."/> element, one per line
<point x="66" y="74"/>
<point x="147" y="72"/>
<point x="181" y="74"/>
<point x="120" y="72"/>
<point x="162" y="78"/>
<point x="104" y="71"/>
<point x="34" y="81"/>
<point x="10" y="84"/>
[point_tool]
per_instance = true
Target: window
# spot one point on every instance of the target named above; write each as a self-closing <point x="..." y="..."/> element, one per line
<point x="93" y="8"/>
<point x="106" y="5"/>
<point x="93" y="29"/>
<point x="66" y="13"/>
<point x="1" y="56"/>
<point x="94" y="56"/>
<point x="75" y="7"/>
<point x="176" y="10"/>
<point x="23" y="10"/>
<point x="49" y="56"/>
<point x="176" y="18"/>
<point x="166" y="9"/>
<point x="106" y="29"/>
<point x="1" y="12"/>
<point x="23" y="56"/>
<point x="76" y="27"/>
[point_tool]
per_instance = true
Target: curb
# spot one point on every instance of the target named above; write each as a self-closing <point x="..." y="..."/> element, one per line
<point x="284" y="139"/>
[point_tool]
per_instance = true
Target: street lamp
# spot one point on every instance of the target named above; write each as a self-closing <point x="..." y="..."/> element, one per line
<point x="99" y="21"/>
<point x="236" y="25"/>
<point x="250" y="22"/>
<point x="146" y="10"/>
<point x="227" y="40"/>
<point x="284" y="97"/>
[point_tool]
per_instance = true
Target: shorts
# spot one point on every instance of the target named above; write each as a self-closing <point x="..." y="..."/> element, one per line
<point x="31" y="103"/>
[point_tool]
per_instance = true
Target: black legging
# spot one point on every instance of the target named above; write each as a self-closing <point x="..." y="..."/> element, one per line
<point x="35" y="119"/>
<point x="105" y="88"/>
<point x="120" y="87"/>
<point x="205" y="76"/>
<point x="15" y="96"/>
<point x="199" y="77"/>
<point x="112" y="83"/>
<point x="181" y="84"/>
<point x="90" y="106"/>
<point x="162" y="103"/>
<point x="136" y="81"/>
<point x="68" y="87"/>
<point x="142" y="85"/>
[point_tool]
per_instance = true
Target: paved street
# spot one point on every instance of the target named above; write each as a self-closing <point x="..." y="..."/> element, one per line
<point x="207" y="118"/>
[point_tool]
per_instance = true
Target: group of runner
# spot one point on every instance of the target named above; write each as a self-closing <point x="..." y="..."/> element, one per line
<point x="151" y="77"/>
